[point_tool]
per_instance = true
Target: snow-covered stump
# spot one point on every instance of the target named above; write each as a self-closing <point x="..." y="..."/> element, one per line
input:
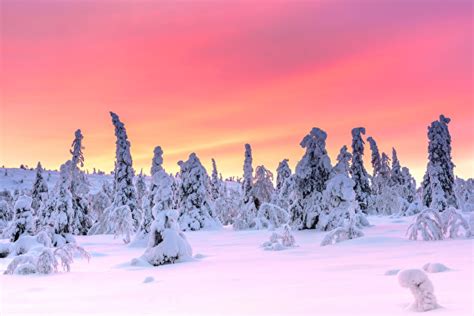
<point x="421" y="287"/>
<point x="167" y="243"/>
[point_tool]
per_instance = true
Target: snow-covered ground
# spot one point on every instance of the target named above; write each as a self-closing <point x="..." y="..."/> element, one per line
<point x="232" y="275"/>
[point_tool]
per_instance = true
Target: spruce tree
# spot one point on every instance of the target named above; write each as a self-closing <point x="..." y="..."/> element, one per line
<point x="311" y="175"/>
<point x="216" y="183"/>
<point x="438" y="182"/>
<point x="358" y="173"/>
<point x="342" y="166"/>
<point x="196" y="206"/>
<point x="124" y="190"/>
<point x="23" y="221"/>
<point x="39" y="193"/>
<point x="248" y="174"/>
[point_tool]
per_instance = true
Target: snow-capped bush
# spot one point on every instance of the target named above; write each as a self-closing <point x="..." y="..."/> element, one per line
<point x="99" y="202"/>
<point x="432" y="225"/>
<point x="167" y="243"/>
<point x="280" y="240"/>
<point x="428" y="225"/>
<point x="271" y="216"/>
<point x="454" y="224"/>
<point x="341" y="234"/>
<point x="23" y="222"/>
<point x="121" y="222"/>
<point x="44" y="260"/>
<point x="421" y="287"/>
<point x="464" y="190"/>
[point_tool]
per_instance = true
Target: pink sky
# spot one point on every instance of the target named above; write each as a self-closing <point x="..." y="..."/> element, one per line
<point x="211" y="76"/>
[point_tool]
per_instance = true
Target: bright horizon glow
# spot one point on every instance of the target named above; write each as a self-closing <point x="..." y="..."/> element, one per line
<point x="210" y="77"/>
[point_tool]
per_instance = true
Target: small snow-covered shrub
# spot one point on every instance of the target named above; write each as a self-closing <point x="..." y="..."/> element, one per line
<point x="421" y="287"/>
<point x="167" y="243"/>
<point x="26" y="243"/>
<point x="280" y="241"/>
<point x="454" y="224"/>
<point x="271" y="216"/>
<point x="44" y="260"/>
<point x="428" y="225"/>
<point x="435" y="267"/>
<point x="340" y="234"/>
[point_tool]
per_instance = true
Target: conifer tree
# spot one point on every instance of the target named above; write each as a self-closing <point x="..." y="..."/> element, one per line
<point x="358" y="173"/>
<point x="311" y="174"/>
<point x="438" y="182"/>
<point x="39" y="193"/>
<point x="196" y="207"/>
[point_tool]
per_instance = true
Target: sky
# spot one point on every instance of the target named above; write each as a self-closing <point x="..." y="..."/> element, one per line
<point x="210" y="76"/>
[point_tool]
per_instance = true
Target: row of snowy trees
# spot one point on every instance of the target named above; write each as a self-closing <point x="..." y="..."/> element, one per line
<point x="318" y="195"/>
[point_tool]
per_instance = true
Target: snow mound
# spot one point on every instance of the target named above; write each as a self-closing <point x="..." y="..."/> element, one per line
<point x="421" y="287"/>
<point x="392" y="272"/>
<point x="149" y="279"/>
<point x="435" y="267"/>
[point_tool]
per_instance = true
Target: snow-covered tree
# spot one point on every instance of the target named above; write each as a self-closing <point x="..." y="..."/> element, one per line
<point x="167" y="243"/>
<point x="149" y="200"/>
<point x="228" y="204"/>
<point x="216" y="183"/>
<point x="116" y="220"/>
<point x="283" y="173"/>
<point x="79" y="183"/>
<point x="375" y="157"/>
<point x="5" y="215"/>
<point x="262" y="189"/>
<point x="58" y="213"/>
<point x="438" y="182"/>
<point x="248" y="175"/>
<point x="464" y="190"/>
<point x="141" y="188"/>
<point x="358" y="173"/>
<point x="282" y="196"/>
<point x="196" y="206"/>
<point x="312" y="172"/>
<point x="24" y="221"/>
<point x="342" y="166"/>
<point x="39" y="193"/>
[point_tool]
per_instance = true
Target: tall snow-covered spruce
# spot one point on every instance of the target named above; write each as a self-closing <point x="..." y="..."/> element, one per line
<point x="311" y="174"/>
<point x="39" y="193"/>
<point x="196" y="205"/>
<point x="248" y="174"/>
<point x="438" y="182"/>
<point x="79" y="187"/>
<point x="358" y="172"/>
<point x="124" y="216"/>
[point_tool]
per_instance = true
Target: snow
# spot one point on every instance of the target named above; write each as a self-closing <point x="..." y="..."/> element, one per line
<point x="235" y="276"/>
<point x="435" y="267"/>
